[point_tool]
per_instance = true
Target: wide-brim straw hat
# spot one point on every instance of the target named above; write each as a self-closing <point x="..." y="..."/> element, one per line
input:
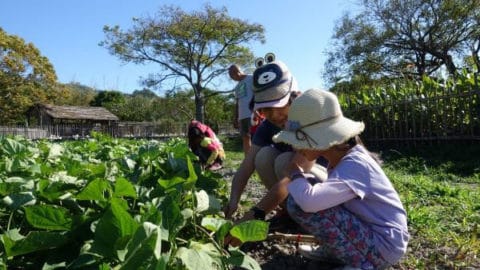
<point x="272" y="85"/>
<point x="315" y="121"/>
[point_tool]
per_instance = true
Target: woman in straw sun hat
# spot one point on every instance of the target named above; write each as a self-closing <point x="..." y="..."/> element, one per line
<point x="356" y="214"/>
<point x="274" y="89"/>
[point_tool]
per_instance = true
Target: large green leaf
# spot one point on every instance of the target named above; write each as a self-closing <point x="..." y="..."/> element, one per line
<point x="115" y="224"/>
<point x="95" y="169"/>
<point x="95" y="190"/>
<point x="12" y="147"/>
<point x="175" y="181"/>
<point x="250" y="231"/>
<point x="48" y="217"/>
<point x="206" y="202"/>
<point x="220" y="226"/>
<point x="33" y="241"/>
<point x="53" y="191"/>
<point x="63" y="177"/>
<point x="213" y="224"/>
<point x="172" y="218"/>
<point x="144" y="248"/>
<point x="192" y="176"/>
<point x="222" y="232"/>
<point x="23" y="165"/>
<point x="199" y="256"/>
<point x="129" y="163"/>
<point x="124" y="188"/>
<point x="202" y="200"/>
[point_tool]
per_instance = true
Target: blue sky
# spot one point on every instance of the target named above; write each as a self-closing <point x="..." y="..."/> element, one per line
<point x="68" y="33"/>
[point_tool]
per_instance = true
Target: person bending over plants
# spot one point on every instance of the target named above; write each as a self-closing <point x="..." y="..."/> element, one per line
<point x="204" y="143"/>
<point x="356" y="213"/>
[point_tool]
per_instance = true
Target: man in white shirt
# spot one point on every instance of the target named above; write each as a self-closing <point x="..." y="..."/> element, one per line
<point x="243" y="96"/>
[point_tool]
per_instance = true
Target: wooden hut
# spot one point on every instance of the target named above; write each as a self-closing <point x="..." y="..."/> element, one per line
<point x="68" y="121"/>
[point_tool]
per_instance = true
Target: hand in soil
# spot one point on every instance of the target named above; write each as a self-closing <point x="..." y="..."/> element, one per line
<point x="232" y="241"/>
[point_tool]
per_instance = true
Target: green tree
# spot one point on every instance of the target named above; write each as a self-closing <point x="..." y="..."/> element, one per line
<point x="76" y="94"/>
<point x="195" y="47"/>
<point x="106" y="97"/>
<point x="159" y="108"/>
<point x="180" y="106"/>
<point x="144" y="93"/>
<point x="111" y="100"/>
<point x="219" y="108"/>
<point x="402" y="38"/>
<point x="26" y="78"/>
<point x="137" y="108"/>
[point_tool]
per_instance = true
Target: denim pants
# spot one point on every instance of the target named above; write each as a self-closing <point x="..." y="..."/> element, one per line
<point x="342" y="236"/>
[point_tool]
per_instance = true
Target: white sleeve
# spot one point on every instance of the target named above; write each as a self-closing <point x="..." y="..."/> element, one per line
<point x="313" y="198"/>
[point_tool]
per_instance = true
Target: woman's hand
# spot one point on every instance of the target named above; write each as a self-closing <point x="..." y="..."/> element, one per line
<point x="231" y="241"/>
<point x="230" y="209"/>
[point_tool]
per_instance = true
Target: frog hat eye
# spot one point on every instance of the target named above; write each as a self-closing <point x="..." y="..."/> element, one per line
<point x="269" y="57"/>
<point x="259" y="62"/>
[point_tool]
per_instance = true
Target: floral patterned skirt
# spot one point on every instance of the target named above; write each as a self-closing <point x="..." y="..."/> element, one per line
<point x="343" y="237"/>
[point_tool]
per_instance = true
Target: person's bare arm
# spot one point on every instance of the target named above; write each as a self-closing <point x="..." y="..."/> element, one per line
<point x="235" y="119"/>
<point x="278" y="193"/>
<point x="272" y="199"/>
<point x="240" y="180"/>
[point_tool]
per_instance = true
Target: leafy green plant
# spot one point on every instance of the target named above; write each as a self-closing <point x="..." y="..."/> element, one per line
<point x="113" y="203"/>
<point x="429" y="109"/>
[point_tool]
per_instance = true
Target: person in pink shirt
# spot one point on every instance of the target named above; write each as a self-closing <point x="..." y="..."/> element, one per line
<point x="204" y="143"/>
<point x="355" y="214"/>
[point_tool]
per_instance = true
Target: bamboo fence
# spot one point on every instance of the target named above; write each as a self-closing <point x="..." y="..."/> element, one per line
<point x="119" y="130"/>
<point x="412" y="120"/>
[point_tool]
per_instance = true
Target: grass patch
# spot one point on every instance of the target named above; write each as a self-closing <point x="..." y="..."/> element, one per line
<point x="232" y="143"/>
<point x="233" y="151"/>
<point x="439" y="187"/>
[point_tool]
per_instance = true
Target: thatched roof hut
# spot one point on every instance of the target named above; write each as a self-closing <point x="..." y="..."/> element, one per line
<point x="71" y="121"/>
<point x="79" y="113"/>
<point x="49" y="114"/>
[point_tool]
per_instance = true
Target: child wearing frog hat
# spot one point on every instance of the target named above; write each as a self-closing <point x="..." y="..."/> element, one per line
<point x="274" y="89"/>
